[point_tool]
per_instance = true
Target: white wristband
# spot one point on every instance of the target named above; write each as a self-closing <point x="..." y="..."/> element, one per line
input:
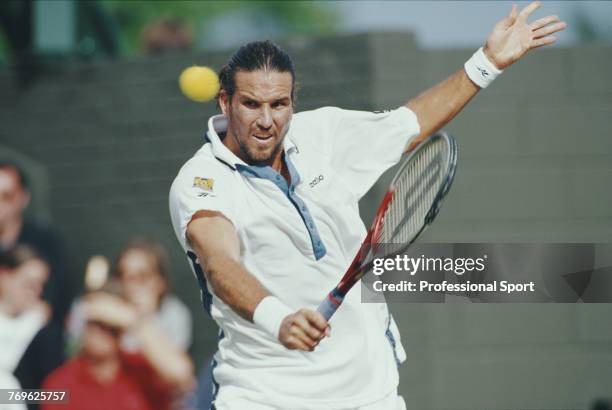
<point x="481" y="70"/>
<point x="269" y="315"/>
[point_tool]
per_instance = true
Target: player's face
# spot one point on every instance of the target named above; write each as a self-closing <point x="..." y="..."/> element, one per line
<point x="13" y="198"/>
<point x="259" y="115"/>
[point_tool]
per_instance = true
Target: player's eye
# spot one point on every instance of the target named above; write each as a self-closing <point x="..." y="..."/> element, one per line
<point x="250" y="104"/>
<point x="279" y="104"/>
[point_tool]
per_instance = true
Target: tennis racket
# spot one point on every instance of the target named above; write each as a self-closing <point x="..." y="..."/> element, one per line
<point x="409" y="206"/>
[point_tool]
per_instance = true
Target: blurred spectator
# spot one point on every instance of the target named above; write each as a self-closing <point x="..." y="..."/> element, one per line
<point x="31" y="346"/>
<point x="14" y="229"/>
<point x="166" y="35"/>
<point x="8" y="381"/>
<point x="103" y="376"/>
<point x="206" y="386"/>
<point x="142" y="270"/>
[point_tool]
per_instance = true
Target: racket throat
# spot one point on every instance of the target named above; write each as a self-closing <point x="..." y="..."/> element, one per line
<point x="336" y="297"/>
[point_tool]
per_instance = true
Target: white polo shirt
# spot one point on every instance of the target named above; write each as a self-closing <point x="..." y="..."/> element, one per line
<point x="298" y="239"/>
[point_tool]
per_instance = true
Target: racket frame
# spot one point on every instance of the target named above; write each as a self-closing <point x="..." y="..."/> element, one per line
<point x="364" y="258"/>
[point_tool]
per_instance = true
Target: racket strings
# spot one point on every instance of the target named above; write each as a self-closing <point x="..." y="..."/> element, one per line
<point x="416" y="188"/>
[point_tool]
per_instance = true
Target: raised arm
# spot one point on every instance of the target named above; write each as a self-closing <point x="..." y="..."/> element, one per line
<point x="510" y="39"/>
<point x="217" y="246"/>
<point x="170" y="362"/>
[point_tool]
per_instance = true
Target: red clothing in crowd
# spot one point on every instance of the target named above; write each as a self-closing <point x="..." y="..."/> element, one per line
<point x="135" y="387"/>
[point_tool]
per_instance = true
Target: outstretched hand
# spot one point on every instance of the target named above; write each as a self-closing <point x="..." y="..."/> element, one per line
<point x="512" y="37"/>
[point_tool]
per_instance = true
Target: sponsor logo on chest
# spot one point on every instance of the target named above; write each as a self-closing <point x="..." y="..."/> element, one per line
<point x="318" y="179"/>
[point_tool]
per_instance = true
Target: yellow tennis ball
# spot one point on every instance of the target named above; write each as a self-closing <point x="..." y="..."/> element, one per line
<point x="199" y="83"/>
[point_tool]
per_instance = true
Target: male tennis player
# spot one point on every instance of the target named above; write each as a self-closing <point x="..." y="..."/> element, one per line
<point x="267" y="213"/>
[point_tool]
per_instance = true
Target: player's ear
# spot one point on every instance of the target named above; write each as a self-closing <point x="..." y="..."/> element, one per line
<point x="224" y="101"/>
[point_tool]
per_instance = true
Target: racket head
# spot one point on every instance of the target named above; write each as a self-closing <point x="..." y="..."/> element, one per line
<point x="429" y="170"/>
<point x="419" y="187"/>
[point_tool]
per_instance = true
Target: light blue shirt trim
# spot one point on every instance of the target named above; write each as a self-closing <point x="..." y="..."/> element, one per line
<point x="267" y="172"/>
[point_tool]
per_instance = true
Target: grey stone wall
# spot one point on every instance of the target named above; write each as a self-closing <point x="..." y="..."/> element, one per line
<point x="535" y="166"/>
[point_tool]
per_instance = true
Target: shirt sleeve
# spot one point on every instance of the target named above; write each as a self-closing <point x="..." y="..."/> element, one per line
<point x="363" y="145"/>
<point x="199" y="186"/>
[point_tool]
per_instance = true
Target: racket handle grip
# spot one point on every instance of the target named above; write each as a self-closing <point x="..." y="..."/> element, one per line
<point x="330" y="304"/>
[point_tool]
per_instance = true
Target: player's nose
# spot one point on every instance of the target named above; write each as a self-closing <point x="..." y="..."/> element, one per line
<point x="264" y="120"/>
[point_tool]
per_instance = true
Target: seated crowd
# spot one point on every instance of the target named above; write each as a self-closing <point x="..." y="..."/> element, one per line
<point x="122" y="345"/>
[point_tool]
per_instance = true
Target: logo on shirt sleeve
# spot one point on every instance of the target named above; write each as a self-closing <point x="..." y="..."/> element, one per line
<point x="205" y="184"/>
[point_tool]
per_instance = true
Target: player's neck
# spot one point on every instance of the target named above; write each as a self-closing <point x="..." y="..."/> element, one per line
<point x="278" y="164"/>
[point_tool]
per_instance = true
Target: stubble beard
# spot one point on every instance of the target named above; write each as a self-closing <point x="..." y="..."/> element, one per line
<point x="252" y="157"/>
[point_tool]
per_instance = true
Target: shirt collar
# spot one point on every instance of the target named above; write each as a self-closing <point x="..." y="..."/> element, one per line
<point x="218" y="124"/>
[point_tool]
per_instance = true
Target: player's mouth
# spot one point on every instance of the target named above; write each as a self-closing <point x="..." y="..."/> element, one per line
<point x="263" y="139"/>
